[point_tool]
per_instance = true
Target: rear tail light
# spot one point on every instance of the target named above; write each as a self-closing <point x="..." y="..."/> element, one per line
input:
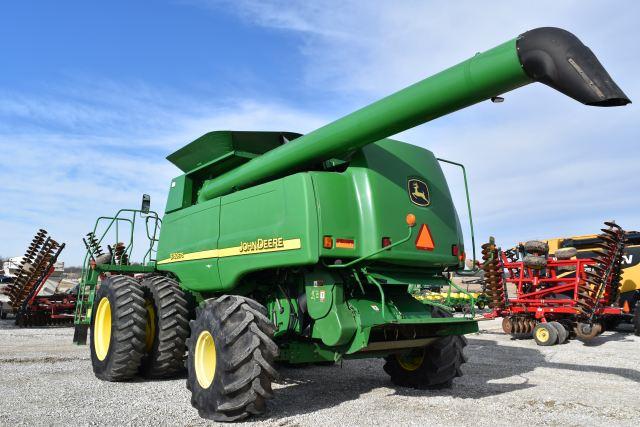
<point x="463" y="256"/>
<point x="345" y="243"/>
<point x="455" y="250"/>
<point x="386" y="241"/>
<point x="327" y="242"/>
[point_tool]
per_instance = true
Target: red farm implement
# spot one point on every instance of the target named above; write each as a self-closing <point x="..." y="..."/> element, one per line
<point x="28" y="303"/>
<point x="557" y="296"/>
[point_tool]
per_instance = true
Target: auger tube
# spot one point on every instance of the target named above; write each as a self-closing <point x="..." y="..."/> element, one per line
<point x="551" y="56"/>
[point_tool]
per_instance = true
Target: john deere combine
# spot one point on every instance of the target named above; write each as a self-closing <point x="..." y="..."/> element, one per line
<point x="301" y="248"/>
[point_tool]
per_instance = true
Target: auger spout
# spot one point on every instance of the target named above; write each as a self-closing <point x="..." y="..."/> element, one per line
<point x="551" y="56"/>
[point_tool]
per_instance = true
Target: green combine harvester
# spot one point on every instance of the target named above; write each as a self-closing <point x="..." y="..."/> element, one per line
<point x="277" y="246"/>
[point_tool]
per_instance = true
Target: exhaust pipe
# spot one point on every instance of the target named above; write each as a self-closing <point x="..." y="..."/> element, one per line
<point x="557" y="58"/>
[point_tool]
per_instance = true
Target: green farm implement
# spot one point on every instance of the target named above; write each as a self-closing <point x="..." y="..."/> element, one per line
<point x="277" y="246"/>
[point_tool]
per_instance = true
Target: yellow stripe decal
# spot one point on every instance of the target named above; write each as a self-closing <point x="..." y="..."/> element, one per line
<point x="242" y="249"/>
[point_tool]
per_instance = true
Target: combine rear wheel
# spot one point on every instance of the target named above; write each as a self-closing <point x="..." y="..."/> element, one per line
<point x="545" y="334"/>
<point x="118" y="329"/>
<point x="167" y="327"/>
<point x="231" y="357"/>
<point x="431" y="367"/>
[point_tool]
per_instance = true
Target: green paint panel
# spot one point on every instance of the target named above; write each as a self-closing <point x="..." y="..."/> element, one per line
<point x="189" y="230"/>
<point x="279" y="209"/>
<point x="370" y="200"/>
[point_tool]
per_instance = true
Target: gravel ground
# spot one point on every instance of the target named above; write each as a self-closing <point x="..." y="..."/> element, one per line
<point x="45" y="379"/>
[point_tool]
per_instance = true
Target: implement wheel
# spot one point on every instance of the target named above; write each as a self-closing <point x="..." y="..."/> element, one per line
<point x="231" y="357"/>
<point x="431" y="367"/>
<point x="167" y="327"/>
<point x="563" y="334"/>
<point x="507" y="325"/>
<point x="118" y="329"/>
<point x="545" y="334"/>
<point x="587" y="332"/>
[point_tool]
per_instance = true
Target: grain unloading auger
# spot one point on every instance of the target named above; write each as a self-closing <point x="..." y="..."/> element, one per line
<point x="301" y="248"/>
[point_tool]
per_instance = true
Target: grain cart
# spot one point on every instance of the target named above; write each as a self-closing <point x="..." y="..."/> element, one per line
<point x="300" y="248"/>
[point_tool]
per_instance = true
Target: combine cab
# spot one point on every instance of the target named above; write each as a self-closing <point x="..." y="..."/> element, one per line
<point x="558" y="295"/>
<point x="301" y="248"/>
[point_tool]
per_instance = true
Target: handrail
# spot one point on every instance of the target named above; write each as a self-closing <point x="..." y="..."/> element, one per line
<point x="115" y="220"/>
<point x="474" y="269"/>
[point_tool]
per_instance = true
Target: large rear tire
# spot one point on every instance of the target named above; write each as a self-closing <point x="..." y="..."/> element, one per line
<point x="432" y="367"/>
<point x="636" y="319"/>
<point x="167" y="327"/>
<point x="231" y="358"/>
<point x="118" y="329"/>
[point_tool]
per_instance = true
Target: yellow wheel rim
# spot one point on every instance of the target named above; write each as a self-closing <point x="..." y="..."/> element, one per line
<point x="102" y="329"/>
<point x="205" y="359"/>
<point x="410" y="361"/>
<point x="150" y="329"/>
<point x="542" y="334"/>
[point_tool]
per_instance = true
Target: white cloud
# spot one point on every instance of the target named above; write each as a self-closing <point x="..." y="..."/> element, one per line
<point x="540" y="164"/>
<point x="55" y="177"/>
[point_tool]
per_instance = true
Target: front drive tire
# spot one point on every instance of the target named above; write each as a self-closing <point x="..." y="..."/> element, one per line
<point x="167" y="327"/>
<point x="118" y="325"/>
<point x="230" y="360"/>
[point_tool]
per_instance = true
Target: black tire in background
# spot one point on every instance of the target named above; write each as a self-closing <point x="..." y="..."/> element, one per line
<point x="168" y="323"/>
<point x="436" y="365"/>
<point x="534" y="261"/>
<point x="244" y="353"/>
<point x="636" y="319"/>
<point x="563" y="334"/>
<point x="566" y="253"/>
<point x="127" y="329"/>
<point x="536" y="247"/>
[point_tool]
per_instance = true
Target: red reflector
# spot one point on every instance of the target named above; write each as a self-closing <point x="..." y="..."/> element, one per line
<point x="454" y="250"/>
<point x="386" y="241"/>
<point x="462" y="256"/>
<point x="327" y="242"/>
<point x="345" y="243"/>
<point x="425" y="241"/>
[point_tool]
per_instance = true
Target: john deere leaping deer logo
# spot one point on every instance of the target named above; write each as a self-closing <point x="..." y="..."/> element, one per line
<point x="418" y="192"/>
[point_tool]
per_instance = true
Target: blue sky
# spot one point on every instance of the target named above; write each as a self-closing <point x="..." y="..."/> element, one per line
<point x="94" y="95"/>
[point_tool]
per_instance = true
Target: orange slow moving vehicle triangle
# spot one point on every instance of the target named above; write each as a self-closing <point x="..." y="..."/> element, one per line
<point x="424" y="240"/>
